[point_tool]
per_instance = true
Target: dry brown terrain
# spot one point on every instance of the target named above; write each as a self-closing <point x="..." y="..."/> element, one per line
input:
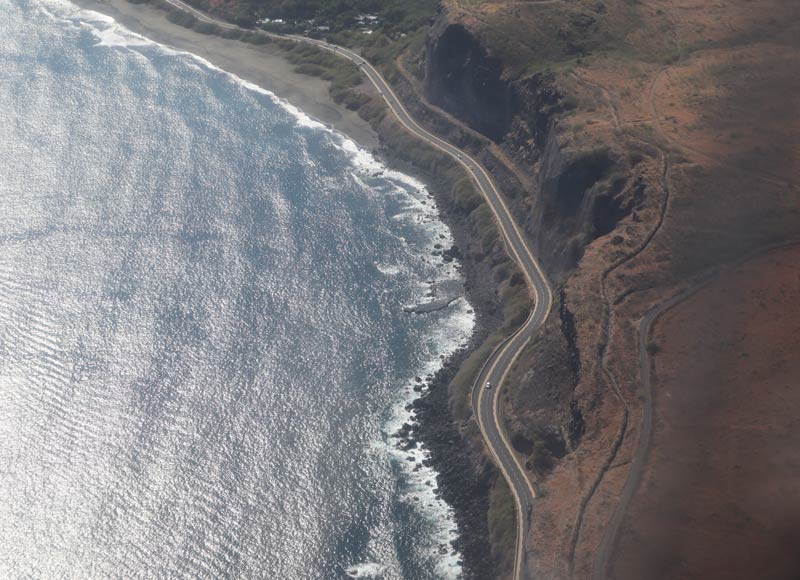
<point x="720" y="497"/>
<point x="703" y="99"/>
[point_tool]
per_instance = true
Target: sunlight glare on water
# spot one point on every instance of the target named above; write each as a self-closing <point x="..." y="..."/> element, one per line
<point x="203" y="350"/>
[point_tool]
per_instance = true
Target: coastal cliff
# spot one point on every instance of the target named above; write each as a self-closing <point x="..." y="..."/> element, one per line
<point x="607" y="125"/>
<point x="565" y="193"/>
<point x="612" y="145"/>
<point x="575" y="194"/>
<point x="619" y="200"/>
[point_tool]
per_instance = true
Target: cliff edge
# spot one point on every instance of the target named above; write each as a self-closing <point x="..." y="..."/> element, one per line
<point x="642" y="147"/>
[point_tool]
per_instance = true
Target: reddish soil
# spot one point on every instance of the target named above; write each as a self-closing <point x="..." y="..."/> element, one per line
<point x="720" y="496"/>
<point x="700" y="100"/>
<point x="724" y="119"/>
<point x="736" y="106"/>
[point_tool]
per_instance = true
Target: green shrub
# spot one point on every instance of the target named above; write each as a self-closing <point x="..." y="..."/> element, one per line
<point x="502" y="527"/>
<point x="181" y="18"/>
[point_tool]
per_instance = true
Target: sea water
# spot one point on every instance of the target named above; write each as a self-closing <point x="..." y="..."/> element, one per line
<point x="203" y="348"/>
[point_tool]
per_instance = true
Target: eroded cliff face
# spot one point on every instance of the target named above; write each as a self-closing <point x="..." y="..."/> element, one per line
<point x="566" y="193"/>
<point x="623" y="168"/>
<point x="574" y="195"/>
<point x="462" y="78"/>
<point x="581" y="195"/>
<point x="465" y="79"/>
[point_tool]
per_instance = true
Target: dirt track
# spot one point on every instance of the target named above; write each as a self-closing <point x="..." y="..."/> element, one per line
<point x="720" y="492"/>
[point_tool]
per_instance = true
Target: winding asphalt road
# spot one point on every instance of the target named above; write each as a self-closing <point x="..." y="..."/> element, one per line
<point x="495" y="369"/>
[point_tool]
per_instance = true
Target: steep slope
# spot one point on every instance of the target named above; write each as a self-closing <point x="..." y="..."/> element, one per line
<point x="640" y="145"/>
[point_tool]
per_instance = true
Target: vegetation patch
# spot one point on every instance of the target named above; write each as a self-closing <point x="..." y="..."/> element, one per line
<point x="502" y="527"/>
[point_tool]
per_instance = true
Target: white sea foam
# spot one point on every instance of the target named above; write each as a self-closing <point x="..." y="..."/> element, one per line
<point x="420" y="489"/>
<point x="388" y="269"/>
<point x="451" y="333"/>
<point x="109" y="32"/>
<point x="367" y="162"/>
<point x="418" y="208"/>
<point x="366" y="570"/>
<point x="112" y="34"/>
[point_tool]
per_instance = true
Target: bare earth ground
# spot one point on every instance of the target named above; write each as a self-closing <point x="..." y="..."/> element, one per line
<point x="720" y="496"/>
<point x="704" y="98"/>
<point x="726" y="121"/>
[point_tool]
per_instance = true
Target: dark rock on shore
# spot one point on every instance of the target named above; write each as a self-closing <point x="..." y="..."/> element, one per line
<point x="462" y="483"/>
<point x="444" y="293"/>
<point x="431" y="306"/>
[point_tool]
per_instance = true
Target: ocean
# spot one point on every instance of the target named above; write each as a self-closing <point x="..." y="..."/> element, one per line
<point x="203" y="348"/>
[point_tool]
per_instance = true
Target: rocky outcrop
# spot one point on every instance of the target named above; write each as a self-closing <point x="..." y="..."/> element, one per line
<point x="465" y="79"/>
<point x="581" y="195"/>
<point x="577" y="195"/>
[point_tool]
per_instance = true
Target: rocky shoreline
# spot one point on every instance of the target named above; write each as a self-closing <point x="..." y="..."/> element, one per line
<point x="465" y="475"/>
<point x="463" y="485"/>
